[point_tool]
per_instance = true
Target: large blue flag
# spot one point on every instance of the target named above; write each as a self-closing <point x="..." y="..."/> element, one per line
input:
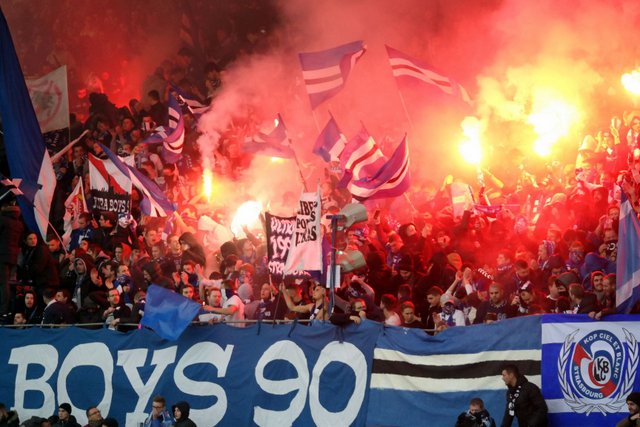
<point x="28" y="158"/>
<point x="628" y="260"/>
<point x="325" y="72"/>
<point x="168" y="313"/>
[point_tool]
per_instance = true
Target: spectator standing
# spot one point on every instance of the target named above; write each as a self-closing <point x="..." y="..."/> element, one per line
<point x="524" y="400"/>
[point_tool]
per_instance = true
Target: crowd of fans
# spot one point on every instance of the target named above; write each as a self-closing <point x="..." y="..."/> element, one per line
<point x="529" y="245"/>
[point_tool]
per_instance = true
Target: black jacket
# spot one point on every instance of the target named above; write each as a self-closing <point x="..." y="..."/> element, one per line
<point x="184" y="420"/>
<point x="11" y="229"/>
<point x="530" y="407"/>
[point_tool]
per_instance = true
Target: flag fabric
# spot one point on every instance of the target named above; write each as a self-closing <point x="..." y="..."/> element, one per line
<point x="325" y="72"/>
<point x="415" y="377"/>
<point x="12" y="185"/>
<point x="26" y="153"/>
<point x="273" y="144"/>
<point x="168" y="313"/>
<point x="305" y="252"/>
<point x="74" y="205"/>
<point x="50" y="99"/>
<point x="628" y="259"/>
<point x="154" y="201"/>
<point x="190" y="102"/>
<point x="391" y="180"/>
<point x="589" y="368"/>
<point x="360" y="158"/>
<point x="172" y="136"/>
<point x="330" y="142"/>
<point x="110" y="187"/>
<point x="407" y="69"/>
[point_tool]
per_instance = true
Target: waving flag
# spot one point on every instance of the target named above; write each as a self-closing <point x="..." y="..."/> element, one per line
<point x="50" y="99"/>
<point x="168" y="313"/>
<point x="330" y="142"/>
<point x="171" y="136"/>
<point x="26" y="154"/>
<point x="273" y="144"/>
<point x="391" y="180"/>
<point x="360" y="158"/>
<point x="74" y="206"/>
<point x="405" y="68"/>
<point x="628" y="261"/>
<point x="154" y="201"/>
<point x="325" y="72"/>
<point x="194" y="105"/>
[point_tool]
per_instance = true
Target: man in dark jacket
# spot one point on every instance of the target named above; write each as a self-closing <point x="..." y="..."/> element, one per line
<point x="11" y="229"/>
<point x="524" y="400"/>
<point x="181" y="414"/>
<point x="65" y="419"/>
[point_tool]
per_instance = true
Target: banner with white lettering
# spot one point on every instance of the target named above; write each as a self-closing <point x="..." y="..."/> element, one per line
<point x="589" y="368"/>
<point x="305" y="252"/>
<point x="279" y="234"/>
<point x="50" y="99"/>
<point x="110" y="188"/>
<point x="260" y="375"/>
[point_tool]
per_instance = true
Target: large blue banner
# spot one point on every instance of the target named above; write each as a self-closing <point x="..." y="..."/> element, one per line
<point x="260" y="375"/>
<point x="589" y="368"/>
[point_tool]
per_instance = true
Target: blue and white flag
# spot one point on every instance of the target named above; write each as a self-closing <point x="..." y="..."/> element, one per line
<point x="26" y="153"/>
<point x="429" y="380"/>
<point x="190" y="102"/>
<point x="325" y="72"/>
<point x="172" y="136"/>
<point x="168" y="313"/>
<point x="273" y="144"/>
<point x="391" y="180"/>
<point x="154" y="201"/>
<point x="628" y="260"/>
<point x="360" y="158"/>
<point x="589" y="368"/>
<point x="330" y="142"/>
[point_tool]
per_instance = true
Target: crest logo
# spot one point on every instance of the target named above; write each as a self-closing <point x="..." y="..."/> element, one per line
<point x="597" y="372"/>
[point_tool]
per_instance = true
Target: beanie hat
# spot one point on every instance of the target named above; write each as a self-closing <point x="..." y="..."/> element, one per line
<point x="110" y="422"/>
<point x="65" y="406"/>
<point x="405" y="263"/>
<point x="634" y="397"/>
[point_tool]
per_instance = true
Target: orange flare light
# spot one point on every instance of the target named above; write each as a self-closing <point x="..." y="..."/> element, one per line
<point x="248" y="214"/>
<point x="470" y="148"/>
<point x="207" y="184"/>
<point x="631" y="81"/>
<point x="551" y="121"/>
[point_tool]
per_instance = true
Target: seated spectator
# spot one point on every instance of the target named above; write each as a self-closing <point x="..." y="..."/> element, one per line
<point x="475" y="416"/>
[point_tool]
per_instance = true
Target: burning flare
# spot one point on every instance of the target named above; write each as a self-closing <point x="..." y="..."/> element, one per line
<point x="551" y="119"/>
<point x="248" y="214"/>
<point x="631" y="81"/>
<point x="470" y="148"/>
<point x="207" y="183"/>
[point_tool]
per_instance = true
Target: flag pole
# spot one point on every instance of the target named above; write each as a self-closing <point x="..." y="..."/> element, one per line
<point x="406" y="112"/>
<point x="295" y="157"/>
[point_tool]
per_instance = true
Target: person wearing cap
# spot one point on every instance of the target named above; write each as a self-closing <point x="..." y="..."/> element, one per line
<point x="527" y="301"/>
<point x="65" y="419"/>
<point x="8" y="418"/>
<point x="557" y="289"/>
<point x="450" y="315"/>
<point x="633" y="404"/>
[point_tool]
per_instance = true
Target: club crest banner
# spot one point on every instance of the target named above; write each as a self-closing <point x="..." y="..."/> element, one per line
<point x="589" y="368"/>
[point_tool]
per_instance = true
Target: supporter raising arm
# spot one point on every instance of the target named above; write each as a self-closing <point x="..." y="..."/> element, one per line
<point x="317" y="309"/>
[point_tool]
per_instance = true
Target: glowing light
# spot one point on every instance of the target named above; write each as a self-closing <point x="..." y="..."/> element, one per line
<point x="277" y="160"/>
<point x="470" y="148"/>
<point x="207" y="184"/>
<point x="631" y="81"/>
<point x="551" y="120"/>
<point x="248" y="214"/>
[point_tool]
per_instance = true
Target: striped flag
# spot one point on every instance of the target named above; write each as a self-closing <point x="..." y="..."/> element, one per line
<point x="360" y="158"/>
<point x="416" y="377"/>
<point x="330" y="142"/>
<point x="26" y="153"/>
<point x="171" y="136"/>
<point x="273" y="144"/>
<point x="190" y="102"/>
<point x="628" y="260"/>
<point x="154" y="201"/>
<point x="391" y="180"/>
<point x="325" y="72"/>
<point x="406" y="68"/>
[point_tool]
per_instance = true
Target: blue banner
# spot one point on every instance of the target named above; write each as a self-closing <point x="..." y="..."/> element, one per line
<point x="589" y="368"/>
<point x="260" y="375"/>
